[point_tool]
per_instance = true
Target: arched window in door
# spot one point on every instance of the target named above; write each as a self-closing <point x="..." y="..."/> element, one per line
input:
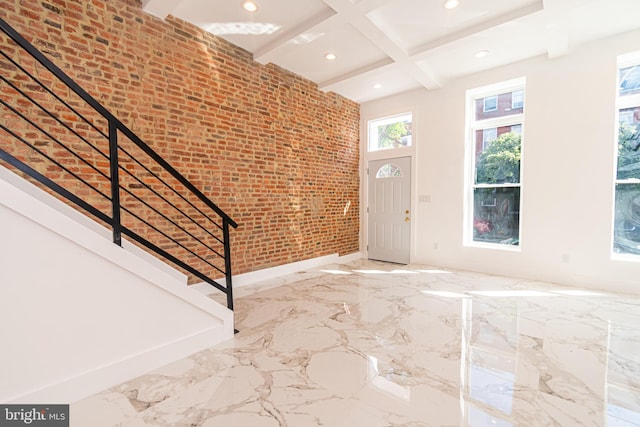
<point x="389" y="170"/>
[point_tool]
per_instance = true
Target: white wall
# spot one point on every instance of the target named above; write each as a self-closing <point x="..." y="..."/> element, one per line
<point x="78" y="313"/>
<point x="568" y="170"/>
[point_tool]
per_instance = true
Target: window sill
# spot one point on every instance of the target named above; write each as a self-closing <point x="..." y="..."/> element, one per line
<point x="625" y="257"/>
<point x="493" y="246"/>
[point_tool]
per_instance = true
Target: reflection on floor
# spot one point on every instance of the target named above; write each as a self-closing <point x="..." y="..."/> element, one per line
<point x="371" y="344"/>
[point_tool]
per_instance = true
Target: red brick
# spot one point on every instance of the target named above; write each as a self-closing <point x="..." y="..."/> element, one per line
<point x="278" y="155"/>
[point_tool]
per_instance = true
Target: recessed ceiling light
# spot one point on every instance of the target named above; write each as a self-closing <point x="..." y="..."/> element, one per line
<point x="482" y="53"/>
<point x="451" y="4"/>
<point x="329" y="56"/>
<point x="249" y="6"/>
<point x="377" y="86"/>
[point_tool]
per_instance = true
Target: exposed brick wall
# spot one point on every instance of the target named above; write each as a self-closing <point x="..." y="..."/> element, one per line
<point x="278" y="155"/>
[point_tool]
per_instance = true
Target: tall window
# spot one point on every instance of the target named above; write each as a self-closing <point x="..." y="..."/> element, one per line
<point x="390" y="132"/>
<point x="626" y="229"/>
<point x="493" y="155"/>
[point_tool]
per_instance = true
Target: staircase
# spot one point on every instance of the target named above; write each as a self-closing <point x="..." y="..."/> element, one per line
<point x="100" y="237"/>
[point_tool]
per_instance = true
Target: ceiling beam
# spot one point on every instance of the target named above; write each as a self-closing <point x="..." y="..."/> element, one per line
<point x="422" y="50"/>
<point x="160" y="8"/>
<point x="327" y="18"/>
<point x="356" y="17"/>
<point x="264" y="54"/>
<point x="556" y="31"/>
<point x="557" y="40"/>
<point x="355" y="73"/>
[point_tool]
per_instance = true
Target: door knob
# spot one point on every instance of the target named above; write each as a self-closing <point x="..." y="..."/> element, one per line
<point x="407" y="211"/>
<point x="406" y="219"/>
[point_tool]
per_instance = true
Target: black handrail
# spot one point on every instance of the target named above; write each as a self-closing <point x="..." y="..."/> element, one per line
<point x="115" y="176"/>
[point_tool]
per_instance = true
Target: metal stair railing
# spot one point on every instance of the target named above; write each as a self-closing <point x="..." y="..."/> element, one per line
<point x="54" y="132"/>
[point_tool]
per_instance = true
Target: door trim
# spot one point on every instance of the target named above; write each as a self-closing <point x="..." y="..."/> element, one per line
<point x="365" y="196"/>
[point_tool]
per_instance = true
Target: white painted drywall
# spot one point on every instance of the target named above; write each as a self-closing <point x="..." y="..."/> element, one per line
<point x="568" y="168"/>
<point x="78" y="313"/>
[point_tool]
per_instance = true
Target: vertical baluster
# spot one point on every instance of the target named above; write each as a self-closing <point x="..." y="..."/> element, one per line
<point x="115" y="183"/>
<point x="227" y="262"/>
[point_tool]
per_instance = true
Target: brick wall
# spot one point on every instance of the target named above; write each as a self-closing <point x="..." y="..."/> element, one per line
<point x="278" y="155"/>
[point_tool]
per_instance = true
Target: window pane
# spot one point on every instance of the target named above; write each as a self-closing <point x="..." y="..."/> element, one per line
<point x="498" y="162"/>
<point x="506" y="104"/>
<point x="496" y="216"/>
<point x="488" y="135"/>
<point x="389" y="171"/>
<point x="626" y="232"/>
<point x="490" y="103"/>
<point x="629" y="144"/>
<point x="629" y="80"/>
<point x="391" y="132"/>
<point x="517" y="99"/>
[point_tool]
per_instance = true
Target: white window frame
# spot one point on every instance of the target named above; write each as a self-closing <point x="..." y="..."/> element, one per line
<point x="622" y="102"/>
<point x="626" y="61"/>
<point x="473" y="125"/>
<point x="373" y="137"/>
<point x="367" y="156"/>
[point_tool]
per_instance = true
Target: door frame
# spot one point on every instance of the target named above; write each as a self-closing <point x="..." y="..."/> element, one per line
<point x="366" y="157"/>
<point x="364" y="194"/>
<point x="406" y="161"/>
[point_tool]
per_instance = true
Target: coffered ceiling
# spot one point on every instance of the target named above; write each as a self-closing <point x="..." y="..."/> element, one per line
<point x="383" y="47"/>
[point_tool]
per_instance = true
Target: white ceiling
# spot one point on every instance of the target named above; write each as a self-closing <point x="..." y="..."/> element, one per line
<point x="401" y="44"/>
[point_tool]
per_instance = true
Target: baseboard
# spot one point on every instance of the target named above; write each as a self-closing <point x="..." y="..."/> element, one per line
<point x="257" y="276"/>
<point x="76" y="388"/>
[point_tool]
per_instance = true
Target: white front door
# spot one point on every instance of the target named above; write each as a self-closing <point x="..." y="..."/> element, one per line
<point x="390" y="210"/>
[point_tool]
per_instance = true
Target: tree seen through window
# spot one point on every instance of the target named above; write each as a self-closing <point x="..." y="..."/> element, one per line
<point x="390" y="132"/>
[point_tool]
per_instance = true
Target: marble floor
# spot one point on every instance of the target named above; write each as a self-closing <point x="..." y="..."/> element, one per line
<point x="369" y="344"/>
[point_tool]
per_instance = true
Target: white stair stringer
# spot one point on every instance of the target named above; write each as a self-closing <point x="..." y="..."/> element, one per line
<point x="79" y="314"/>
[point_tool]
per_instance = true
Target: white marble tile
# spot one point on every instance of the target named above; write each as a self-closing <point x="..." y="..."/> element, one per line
<point x="373" y="344"/>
